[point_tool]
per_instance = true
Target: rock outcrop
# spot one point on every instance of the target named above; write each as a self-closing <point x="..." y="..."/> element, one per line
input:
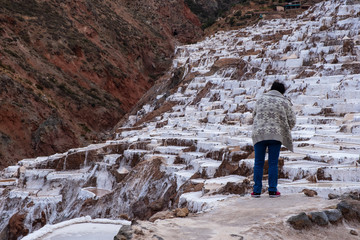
<point x="300" y="221"/>
<point x="348" y="209"/>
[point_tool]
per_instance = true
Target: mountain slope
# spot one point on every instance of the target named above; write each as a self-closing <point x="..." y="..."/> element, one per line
<point x="70" y="70"/>
<point x="216" y="15"/>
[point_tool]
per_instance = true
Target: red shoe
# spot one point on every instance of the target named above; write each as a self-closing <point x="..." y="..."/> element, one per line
<point x="255" y="195"/>
<point x="274" y="194"/>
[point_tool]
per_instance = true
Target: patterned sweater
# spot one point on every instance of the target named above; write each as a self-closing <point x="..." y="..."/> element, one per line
<point x="273" y="119"/>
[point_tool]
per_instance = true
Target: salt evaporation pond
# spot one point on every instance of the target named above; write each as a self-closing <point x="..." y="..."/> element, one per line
<point x="83" y="228"/>
<point x="84" y="231"/>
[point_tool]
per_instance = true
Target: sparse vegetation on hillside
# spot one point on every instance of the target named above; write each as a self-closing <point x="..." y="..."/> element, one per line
<point x="230" y="14"/>
<point x="209" y="12"/>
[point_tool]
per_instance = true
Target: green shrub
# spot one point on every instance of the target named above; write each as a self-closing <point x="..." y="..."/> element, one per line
<point x="39" y="87"/>
<point x="232" y="21"/>
<point x="208" y="23"/>
<point x="11" y="53"/>
<point x="237" y="14"/>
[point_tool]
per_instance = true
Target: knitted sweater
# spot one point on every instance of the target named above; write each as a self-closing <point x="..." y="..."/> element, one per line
<point x="273" y="119"/>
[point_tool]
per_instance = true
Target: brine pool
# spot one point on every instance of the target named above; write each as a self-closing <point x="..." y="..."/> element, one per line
<point x="83" y="228"/>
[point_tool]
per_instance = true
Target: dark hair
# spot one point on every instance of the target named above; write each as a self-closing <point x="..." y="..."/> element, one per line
<point x="278" y="86"/>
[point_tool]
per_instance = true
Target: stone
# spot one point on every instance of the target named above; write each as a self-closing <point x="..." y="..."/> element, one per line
<point x="75" y="160"/>
<point x="4" y="234"/>
<point x="137" y="230"/>
<point x="350" y="209"/>
<point x="188" y="187"/>
<point x="320" y="174"/>
<point x="353" y="232"/>
<point x="236" y="236"/>
<point x="17" y="227"/>
<point x="300" y="221"/>
<point x="156" y="237"/>
<point x="334" y="216"/>
<point x="182" y="212"/>
<point x="333" y="196"/>
<point x="309" y="192"/>
<point x="245" y="170"/>
<point x="162" y="215"/>
<point x="230" y="164"/>
<point x="40" y="221"/>
<point x="348" y="47"/>
<point x="237" y="156"/>
<point x="125" y="233"/>
<point x="124" y="216"/>
<point x="157" y="205"/>
<point x="227" y="62"/>
<point x="320" y="218"/>
<point x="351" y="195"/>
<point x="235" y="188"/>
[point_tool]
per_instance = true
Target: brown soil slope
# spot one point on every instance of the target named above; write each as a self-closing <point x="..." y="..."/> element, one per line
<point x="69" y="70"/>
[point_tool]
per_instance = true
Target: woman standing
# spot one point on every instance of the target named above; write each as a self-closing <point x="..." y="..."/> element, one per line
<point x="273" y="120"/>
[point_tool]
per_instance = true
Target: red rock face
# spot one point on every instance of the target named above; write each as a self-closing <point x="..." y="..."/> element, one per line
<point x="70" y="70"/>
<point x="16" y="226"/>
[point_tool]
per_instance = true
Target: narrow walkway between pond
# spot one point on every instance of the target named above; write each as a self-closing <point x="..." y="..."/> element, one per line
<point x="248" y="218"/>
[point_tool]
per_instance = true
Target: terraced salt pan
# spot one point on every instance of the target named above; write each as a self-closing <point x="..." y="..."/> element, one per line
<point x="323" y="188"/>
<point x="8" y="182"/>
<point x="225" y="103"/>
<point x="189" y="156"/>
<point x="10" y="171"/>
<point x="241" y="141"/>
<point x="169" y="158"/>
<point x="220" y="180"/>
<point x="73" y="174"/>
<point x="32" y="162"/>
<point x="183" y="176"/>
<point x="111" y="158"/>
<point x="18" y="193"/>
<point x="83" y="228"/>
<point x="175" y="150"/>
<point x="93" y="192"/>
<point x="301" y="169"/>
<point x="339" y="138"/>
<point x="130" y="153"/>
<point x="333" y="157"/>
<point x="206" y="165"/>
<point x="349" y="147"/>
<point x="344" y="173"/>
<point x="196" y="202"/>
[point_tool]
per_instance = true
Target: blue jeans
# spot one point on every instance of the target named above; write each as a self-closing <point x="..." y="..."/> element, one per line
<point x="274" y="152"/>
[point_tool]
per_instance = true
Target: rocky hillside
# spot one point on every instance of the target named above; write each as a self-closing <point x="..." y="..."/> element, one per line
<point x="209" y="11"/>
<point x="218" y="15"/>
<point x="190" y="145"/>
<point x="70" y="70"/>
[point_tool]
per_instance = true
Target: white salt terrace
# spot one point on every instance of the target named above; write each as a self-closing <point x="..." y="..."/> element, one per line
<point x="319" y="137"/>
<point x="199" y="136"/>
<point x="196" y="202"/>
<point x="84" y="227"/>
<point x="95" y="192"/>
<point x="322" y="188"/>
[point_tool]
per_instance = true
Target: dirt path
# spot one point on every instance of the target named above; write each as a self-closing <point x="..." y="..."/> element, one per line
<point x="263" y="218"/>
